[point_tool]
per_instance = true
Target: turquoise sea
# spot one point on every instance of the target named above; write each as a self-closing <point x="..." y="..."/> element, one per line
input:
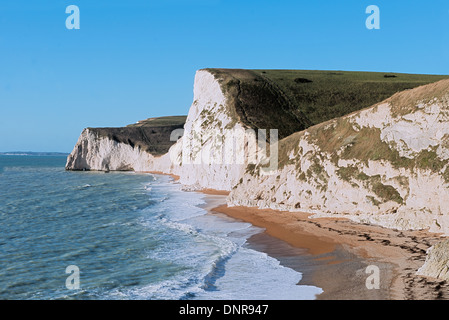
<point x="131" y="236"/>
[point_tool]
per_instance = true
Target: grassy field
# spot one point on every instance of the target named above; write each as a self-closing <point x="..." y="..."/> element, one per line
<point x="324" y="95"/>
<point x="160" y="121"/>
<point x="293" y="100"/>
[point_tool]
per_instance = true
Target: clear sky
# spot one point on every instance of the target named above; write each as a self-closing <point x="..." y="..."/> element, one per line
<point x="134" y="59"/>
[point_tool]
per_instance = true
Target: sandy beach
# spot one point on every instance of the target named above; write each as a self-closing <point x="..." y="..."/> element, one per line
<point x="342" y="250"/>
<point x="334" y="254"/>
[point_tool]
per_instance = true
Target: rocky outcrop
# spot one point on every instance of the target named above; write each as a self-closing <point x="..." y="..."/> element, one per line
<point x="437" y="261"/>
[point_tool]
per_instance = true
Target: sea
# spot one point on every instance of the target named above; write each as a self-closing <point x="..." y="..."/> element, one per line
<point x="124" y="235"/>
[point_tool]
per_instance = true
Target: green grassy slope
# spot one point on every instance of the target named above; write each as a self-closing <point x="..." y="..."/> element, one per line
<point x="293" y="100"/>
<point x="257" y="103"/>
<point x="331" y="94"/>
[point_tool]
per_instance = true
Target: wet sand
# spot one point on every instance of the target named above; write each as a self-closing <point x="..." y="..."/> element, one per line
<point x="337" y="252"/>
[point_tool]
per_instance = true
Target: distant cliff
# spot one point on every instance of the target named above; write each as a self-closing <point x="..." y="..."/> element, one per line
<point x="134" y="147"/>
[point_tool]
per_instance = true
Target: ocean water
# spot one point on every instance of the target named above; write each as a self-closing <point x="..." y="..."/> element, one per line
<point x="131" y="236"/>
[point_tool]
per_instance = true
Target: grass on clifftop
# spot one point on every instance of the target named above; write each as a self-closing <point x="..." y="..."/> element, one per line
<point x="294" y="100"/>
<point x="324" y="95"/>
<point x="160" y="121"/>
<point x="151" y="135"/>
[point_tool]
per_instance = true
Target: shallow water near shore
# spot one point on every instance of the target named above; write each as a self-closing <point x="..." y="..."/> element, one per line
<point x="132" y="236"/>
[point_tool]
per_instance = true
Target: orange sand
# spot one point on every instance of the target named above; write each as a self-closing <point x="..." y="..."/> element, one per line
<point x="398" y="254"/>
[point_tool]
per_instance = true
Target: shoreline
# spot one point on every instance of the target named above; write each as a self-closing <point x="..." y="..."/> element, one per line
<point x="342" y="250"/>
<point x="323" y="261"/>
<point x="334" y="253"/>
<point x="174" y="176"/>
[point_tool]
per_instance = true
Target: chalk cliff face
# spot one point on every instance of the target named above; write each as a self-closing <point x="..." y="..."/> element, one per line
<point x="385" y="165"/>
<point x="201" y="152"/>
<point x="94" y="152"/>
<point x="213" y="149"/>
<point x="132" y="148"/>
<point x="200" y="157"/>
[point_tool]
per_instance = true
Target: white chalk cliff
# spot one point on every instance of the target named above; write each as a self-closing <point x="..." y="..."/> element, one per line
<point x="199" y="157"/>
<point x="95" y="152"/>
<point x="201" y="152"/>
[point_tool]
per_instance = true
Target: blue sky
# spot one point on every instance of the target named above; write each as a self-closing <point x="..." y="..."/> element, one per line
<point x="131" y="60"/>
